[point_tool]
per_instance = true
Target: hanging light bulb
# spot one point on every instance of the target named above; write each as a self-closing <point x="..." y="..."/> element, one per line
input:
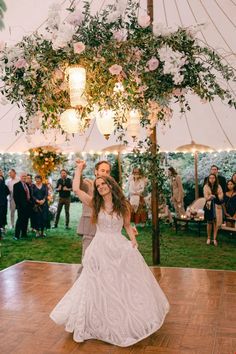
<point x="69" y="121"/>
<point x="105" y="122"/>
<point x="77" y="82"/>
<point x="133" y="127"/>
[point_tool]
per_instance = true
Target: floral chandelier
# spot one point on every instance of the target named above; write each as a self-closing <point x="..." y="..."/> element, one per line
<point x="117" y="68"/>
<point x="46" y="159"/>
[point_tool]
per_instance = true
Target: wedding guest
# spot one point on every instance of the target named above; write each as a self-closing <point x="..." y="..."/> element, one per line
<point x="233" y="178"/>
<point x="40" y="198"/>
<point x="4" y="192"/>
<point x="64" y="187"/>
<point x="22" y="198"/>
<point x="29" y="182"/>
<point x="221" y="179"/>
<point x="13" y="179"/>
<point x="229" y="205"/>
<point x="116" y="299"/>
<point x="213" y="194"/>
<point x="177" y="192"/>
<point x="137" y="183"/>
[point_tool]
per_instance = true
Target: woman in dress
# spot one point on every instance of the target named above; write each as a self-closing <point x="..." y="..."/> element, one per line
<point x="213" y="208"/>
<point x="230" y="204"/>
<point x="4" y="192"/>
<point x="116" y="299"/>
<point x="137" y="184"/>
<point x="40" y="208"/>
<point x="177" y="192"/>
<point x="233" y="178"/>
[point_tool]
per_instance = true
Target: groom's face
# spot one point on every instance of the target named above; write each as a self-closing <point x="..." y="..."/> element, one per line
<point x="103" y="170"/>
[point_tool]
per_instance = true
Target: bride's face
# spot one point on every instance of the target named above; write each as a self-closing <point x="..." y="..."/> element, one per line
<point x="102" y="188"/>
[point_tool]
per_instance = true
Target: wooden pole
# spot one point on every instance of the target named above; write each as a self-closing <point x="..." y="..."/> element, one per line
<point x="196" y="174"/>
<point x="119" y="168"/>
<point x="155" y="218"/>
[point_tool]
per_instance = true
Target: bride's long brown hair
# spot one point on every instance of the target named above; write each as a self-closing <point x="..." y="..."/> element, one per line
<point x="120" y="204"/>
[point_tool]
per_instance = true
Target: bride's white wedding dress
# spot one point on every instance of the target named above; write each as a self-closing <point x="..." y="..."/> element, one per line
<point x="116" y="299"/>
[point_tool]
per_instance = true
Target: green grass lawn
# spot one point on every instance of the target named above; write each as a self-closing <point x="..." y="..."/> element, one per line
<point x="186" y="249"/>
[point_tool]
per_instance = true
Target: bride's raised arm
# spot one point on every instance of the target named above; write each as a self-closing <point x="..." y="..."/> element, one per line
<point x="84" y="197"/>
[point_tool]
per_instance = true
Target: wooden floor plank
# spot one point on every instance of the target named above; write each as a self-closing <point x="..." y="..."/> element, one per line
<point x="202" y="318"/>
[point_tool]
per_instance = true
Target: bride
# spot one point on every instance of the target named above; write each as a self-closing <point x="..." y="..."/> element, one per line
<point x="116" y="299"/>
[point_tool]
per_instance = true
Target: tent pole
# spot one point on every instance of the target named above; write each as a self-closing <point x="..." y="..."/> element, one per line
<point x="196" y="174"/>
<point x="155" y="218"/>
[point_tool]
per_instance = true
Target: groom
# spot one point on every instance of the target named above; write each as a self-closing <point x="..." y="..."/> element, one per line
<point x="85" y="227"/>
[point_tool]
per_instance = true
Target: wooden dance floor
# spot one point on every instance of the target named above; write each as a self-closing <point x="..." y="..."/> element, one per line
<point x="202" y="319"/>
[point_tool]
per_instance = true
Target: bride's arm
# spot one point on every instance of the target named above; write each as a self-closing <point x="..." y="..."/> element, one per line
<point x="84" y="197"/>
<point x="129" y="229"/>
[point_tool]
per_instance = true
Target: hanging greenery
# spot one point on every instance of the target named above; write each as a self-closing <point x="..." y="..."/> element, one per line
<point x="45" y="160"/>
<point x="130" y="63"/>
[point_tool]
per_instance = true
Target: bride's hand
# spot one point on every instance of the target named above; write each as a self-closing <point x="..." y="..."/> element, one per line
<point x="134" y="243"/>
<point x="80" y="164"/>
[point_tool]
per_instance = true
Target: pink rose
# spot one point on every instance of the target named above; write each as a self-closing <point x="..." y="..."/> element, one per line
<point x="120" y="35"/>
<point x="21" y="63"/>
<point x="144" y="21"/>
<point x="153" y="64"/>
<point x="79" y="47"/>
<point x="115" y="69"/>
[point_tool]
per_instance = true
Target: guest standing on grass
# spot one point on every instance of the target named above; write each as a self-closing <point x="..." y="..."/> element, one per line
<point x="13" y="179"/>
<point x="229" y="205"/>
<point x="40" y="198"/>
<point x="221" y="179"/>
<point x="137" y="184"/>
<point x="64" y="188"/>
<point x="22" y="198"/>
<point x="177" y="192"/>
<point x="233" y="178"/>
<point x="213" y="194"/>
<point x="4" y="192"/>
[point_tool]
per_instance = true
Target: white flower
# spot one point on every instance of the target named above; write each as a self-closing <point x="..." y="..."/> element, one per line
<point x="144" y="21"/>
<point x="160" y="29"/>
<point x="54" y="19"/>
<point x="113" y="16"/>
<point x="120" y="35"/>
<point x="75" y="18"/>
<point x="118" y="87"/>
<point x="63" y="36"/>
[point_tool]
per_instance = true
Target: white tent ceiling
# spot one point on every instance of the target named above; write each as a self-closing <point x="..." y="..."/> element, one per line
<point x="211" y="124"/>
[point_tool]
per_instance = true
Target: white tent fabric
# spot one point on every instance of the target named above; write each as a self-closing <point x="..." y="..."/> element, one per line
<point x="211" y="124"/>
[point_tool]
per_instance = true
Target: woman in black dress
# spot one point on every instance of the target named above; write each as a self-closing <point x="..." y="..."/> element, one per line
<point x="230" y="203"/>
<point x="40" y="197"/>
<point x="4" y="191"/>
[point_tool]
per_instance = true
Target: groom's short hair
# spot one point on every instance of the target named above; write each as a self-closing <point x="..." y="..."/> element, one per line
<point x="100" y="162"/>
